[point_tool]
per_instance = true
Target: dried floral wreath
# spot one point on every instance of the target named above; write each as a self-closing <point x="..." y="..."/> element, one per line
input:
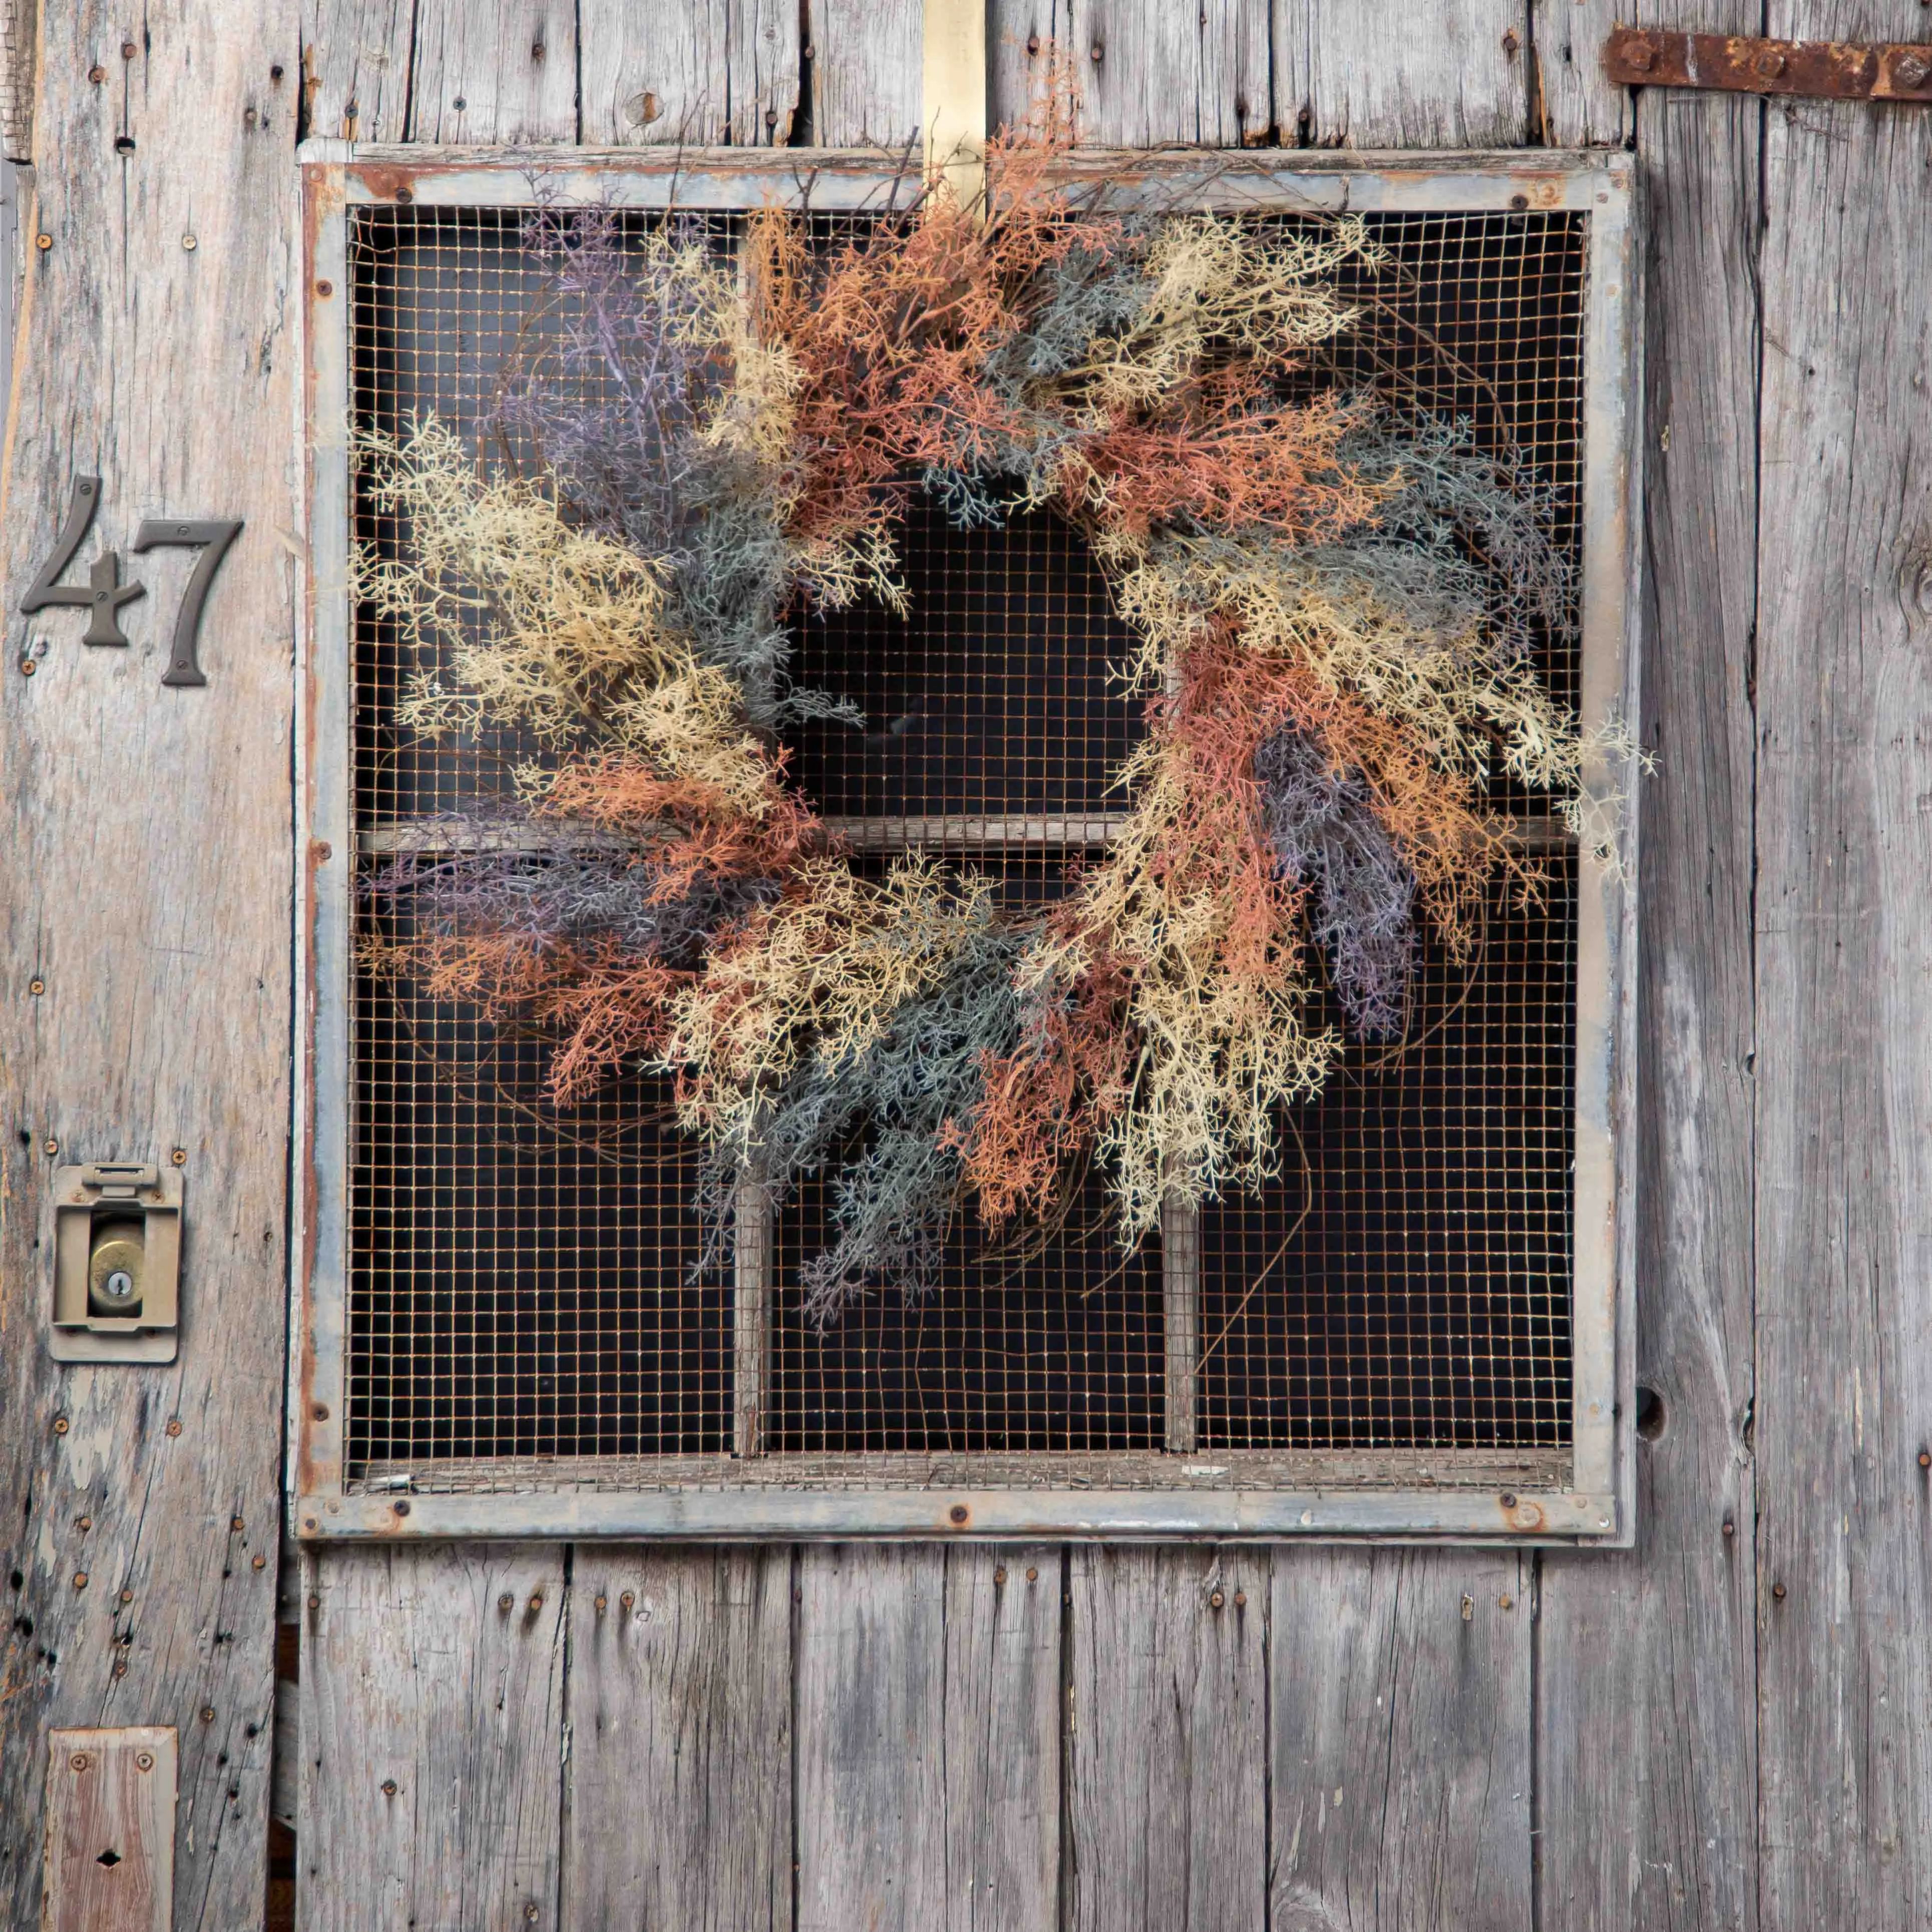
<point x="1335" y="601"/>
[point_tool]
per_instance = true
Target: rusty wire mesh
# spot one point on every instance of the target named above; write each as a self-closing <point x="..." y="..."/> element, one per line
<point x="522" y="1279"/>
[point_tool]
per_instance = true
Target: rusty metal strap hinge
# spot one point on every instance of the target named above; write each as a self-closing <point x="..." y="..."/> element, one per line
<point x="1817" y="70"/>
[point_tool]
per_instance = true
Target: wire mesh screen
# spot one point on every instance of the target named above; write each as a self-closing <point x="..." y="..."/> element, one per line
<point x="525" y="1288"/>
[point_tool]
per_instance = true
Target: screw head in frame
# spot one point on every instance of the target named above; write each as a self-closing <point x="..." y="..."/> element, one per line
<point x="60" y="1425"/>
<point x="190" y="243"/>
<point x="1215" y="1600"/>
<point x="624" y="1602"/>
<point x="36" y="987"/>
<point x="80" y="1579"/>
<point x="320" y="1411"/>
<point x="325" y="288"/>
<point x="506" y="1603"/>
<point x="128" y="50"/>
<point x="97" y="74"/>
<point x="1912" y="70"/>
<point x="179" y="1156"/>
<point x="957" y="1513"/>
<point x="144" y="1760"/>
<point x="388" y="1787"/>
<point x="208" y="1714"/>
<point x="50" y="1145"/>
<point x="173" y="1427"/>
<point x="43" y="241"/>
<point x="78" y="1762"/>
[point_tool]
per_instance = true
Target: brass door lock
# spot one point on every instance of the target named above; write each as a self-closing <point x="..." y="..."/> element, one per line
<point x="117" y="1263"/>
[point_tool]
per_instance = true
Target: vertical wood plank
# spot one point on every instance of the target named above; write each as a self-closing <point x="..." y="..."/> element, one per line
<point x="1002" y="1734"/>
<point x="133" y="818"/>
<point x="1580" y="108"/>
<point x="1375" y="73"/>
<point x="493" y="70"/>
<point x="695" y="71"/>
<point x="432" y="1736"/>
<point x="1844" y="967"/>
<point x="1166" y="1753"/>
<point x="1647" y="1745"/>
<point x="868" y="65"/>
<point x="356" y="67"/>
<point x="1400" y="1741"/>
<point x="1022" y="39"/>
<point x="679" y="1777"/>
<point x="1152" y="74"/>
<point x="110" y="1855"/>
<point x="871" y="1738"/>
<point x="928" y="1703"/>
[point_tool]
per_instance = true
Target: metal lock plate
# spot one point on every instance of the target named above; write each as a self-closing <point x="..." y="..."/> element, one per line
<point x="117" y="1263"/>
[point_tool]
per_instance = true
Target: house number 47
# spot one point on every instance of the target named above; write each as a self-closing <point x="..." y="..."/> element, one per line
<point x="106" y="593"/>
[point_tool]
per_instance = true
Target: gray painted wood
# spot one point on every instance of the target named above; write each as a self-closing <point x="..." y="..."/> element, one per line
<point x="868" y="74"/>
<point x="1580" y="108"/>
<point x="1197" y="75"/>
<point x="129" y="814"/>
<point x="1400" y="1742"/>
<point x="1003" y="1737"/>
<point x="679" y="1774"/>
<point x="928" y="1738"/>
<point x="1648" y="1749"/>
<point x="356" y="67"/>
<point x="706" y="72"/>
<point x="1166" y="1748"/>
<point x="871" y="1717"/>
<point x="1369" y="74"/>
<point x="432" y="1727"/>
<point x="1844" y="1084"/>
<point x="494" y="70"/>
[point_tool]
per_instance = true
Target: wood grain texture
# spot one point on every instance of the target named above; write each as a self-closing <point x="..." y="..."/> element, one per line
<point x="1400" y="1740"/>
<point x="871" y="1717"/>
<point x="1580" y="108"/>
<point x="867" y="73"/>
<point x="1844" y="963"/>
<point x="18" y="21"/>
<point x="147" y="886"/>
<point x="356" y="67"/>
<point x="1166" y="1750"/>
<point x="928" y="1738"/>
<point x="705" y="72"/>
<point x="1647" y="1745"/>
<point x="500" y="71"/>
<point x="680" y="1715"/>
<point x="110" y="1848"/>
<point x="1194" y="74"/>
<point x="1375" y="73"/>
<point x="432" y="1727"/>
<point x="1003" y="1737"/>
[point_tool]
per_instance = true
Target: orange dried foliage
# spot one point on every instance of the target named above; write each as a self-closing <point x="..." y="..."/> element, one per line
<point x="685" y="828"/>
<point x="1044" y="1105"/>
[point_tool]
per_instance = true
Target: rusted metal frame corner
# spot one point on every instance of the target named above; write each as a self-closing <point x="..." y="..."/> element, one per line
<point x="325" y="849"/>
<point x="1743" y="64"/>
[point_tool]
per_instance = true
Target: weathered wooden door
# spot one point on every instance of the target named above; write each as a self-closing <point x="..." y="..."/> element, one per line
<point x="1728" y="1725"/>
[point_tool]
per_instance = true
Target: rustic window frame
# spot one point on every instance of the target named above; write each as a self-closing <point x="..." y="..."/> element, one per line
<point x="1584" y="1494"/>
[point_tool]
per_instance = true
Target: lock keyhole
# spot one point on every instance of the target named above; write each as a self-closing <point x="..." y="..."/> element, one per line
<point x="116" y="1253"/>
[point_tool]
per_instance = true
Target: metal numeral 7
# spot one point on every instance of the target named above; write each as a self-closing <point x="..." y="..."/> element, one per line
<point x="218" y="533"/>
